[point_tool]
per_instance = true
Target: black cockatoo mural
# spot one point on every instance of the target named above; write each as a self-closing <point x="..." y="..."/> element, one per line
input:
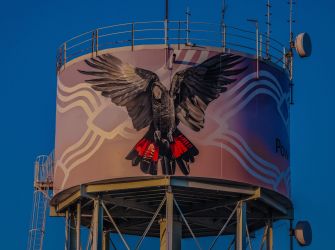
<point x="150" y="104"/>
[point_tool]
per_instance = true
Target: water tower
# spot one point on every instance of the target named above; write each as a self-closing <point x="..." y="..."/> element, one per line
<point x="172" y="129"/>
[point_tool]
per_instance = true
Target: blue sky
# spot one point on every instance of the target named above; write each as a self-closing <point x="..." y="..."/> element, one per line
<point x="31" y="31"/>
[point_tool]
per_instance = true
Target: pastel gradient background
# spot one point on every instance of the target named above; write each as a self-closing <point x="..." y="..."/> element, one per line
<point x="31" y="31"/>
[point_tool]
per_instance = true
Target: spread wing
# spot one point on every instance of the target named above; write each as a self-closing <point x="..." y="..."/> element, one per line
<point x="194" y="88"/>
<point x="125" y="85"/>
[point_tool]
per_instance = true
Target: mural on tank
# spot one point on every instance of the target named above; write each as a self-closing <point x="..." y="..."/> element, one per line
<point x="192" y="111"/>
<point x="150" y="104"/>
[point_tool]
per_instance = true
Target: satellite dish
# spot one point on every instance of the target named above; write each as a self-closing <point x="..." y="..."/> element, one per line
<point x="303" y="45"/>
<point x="303" y="233"/>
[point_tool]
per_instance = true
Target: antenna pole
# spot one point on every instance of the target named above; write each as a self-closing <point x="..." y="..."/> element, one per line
<point x="223" y="12"/>
<point x="166" y="28"/>
<point x="290" y="53"/>
<point x="223" y="25"/>
<point x="188" y="14"/>
<point x="268" y="23"/>
<point x="166" y="9"/>
<point x="291" y="21"/>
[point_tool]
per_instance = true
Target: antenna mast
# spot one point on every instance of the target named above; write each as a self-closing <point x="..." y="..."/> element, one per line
<point x="223" y="12"/>
<point x="268" y="32"/>
<point x="292" y="46"/>
<point x="291" y="21"/>
<point x="166" y="10"/>
<point x="223" y="25"/>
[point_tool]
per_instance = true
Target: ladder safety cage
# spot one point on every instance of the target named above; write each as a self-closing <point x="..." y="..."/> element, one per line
<point x="43" y="186"/>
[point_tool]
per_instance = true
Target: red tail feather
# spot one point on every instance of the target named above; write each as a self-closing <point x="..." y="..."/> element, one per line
<point x="147" y="149"/>
<point x="180" y="146"/>
<point x="147" y="153"/>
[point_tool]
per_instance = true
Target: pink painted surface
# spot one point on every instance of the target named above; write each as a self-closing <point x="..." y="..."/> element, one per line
<point x="245" y="138"/>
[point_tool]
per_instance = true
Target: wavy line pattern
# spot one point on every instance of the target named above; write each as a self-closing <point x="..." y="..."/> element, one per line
<point x="249" y="87"/>
<point x="236" y="98"/>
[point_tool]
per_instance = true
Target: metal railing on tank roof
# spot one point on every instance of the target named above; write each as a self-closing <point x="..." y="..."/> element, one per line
<point x="172" y="32"/>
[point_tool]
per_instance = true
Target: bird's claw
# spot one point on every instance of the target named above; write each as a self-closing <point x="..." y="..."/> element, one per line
<point x="169" y="136"/>
<point x="157" y="135"/>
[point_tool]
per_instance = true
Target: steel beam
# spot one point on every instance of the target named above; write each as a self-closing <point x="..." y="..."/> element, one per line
<point x="130" y="204"/>
<point x="78" y="239"/>
<point x="72" y="231"/>
<point x="127" y="185"/>
<point x="68" y="201"/>
<point x="176" y="235"/>
<point x="269" y="237"/>
<point x="216" y="187"/>
<point x="170" y="227"/>
<point x="106" y="241"/>
<point x="67" y="233"/>
<point x="97" y="225"/>
<point x="241" y="224"/>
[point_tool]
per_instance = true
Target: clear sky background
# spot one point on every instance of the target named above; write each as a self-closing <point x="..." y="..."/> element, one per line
<point x="31" y="31"/>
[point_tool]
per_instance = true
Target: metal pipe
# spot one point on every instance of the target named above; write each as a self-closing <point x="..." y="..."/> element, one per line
<point x="187" y="26"/>
<point x="78" y="240"/>
<point x="64" y="53"/>
<point x="257" y="53"/>
<point x="187" y="225"/>
<point x="97" y="225"/>
<point x="166" y="9"/>
<point x="248" y="237"/>
<point x="166" y="33"/>
<point x="179" y="24"/>
<point x="268" y="5"/>
<point x="132" y="36"/>
<point x="264" y="236"/>
<point x="115" y="226"/>
<point x="67" y="230"/>
<point x="231" y="244"/>
<point x="96" y="42"/>
<point x="224" y="227"/>
<point x="150" y="223"/>
<point x="241" y="222"/>
<point x="92" y="43"/>
<point x="261" y="46"/>
<point x="269" y="237"/>
<point x="224" y="37"/>
<point x="169" y="219"/>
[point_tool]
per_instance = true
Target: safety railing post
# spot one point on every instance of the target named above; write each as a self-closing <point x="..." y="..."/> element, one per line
<point x="261" y="46"/>
<point x="188" y="26"/>
<point x="257" y="48"/>
<point x="223" y="33"/>
<point x="96" y="42"/>
<point x="284" y="57"/>
<point x="92" y="43"/>
<point x="64" y="54"/>
<point x="36" y="171"/>
<point x="179" y="24"/>
<point x="166" y="33"/>
<point x="132" y="36"/>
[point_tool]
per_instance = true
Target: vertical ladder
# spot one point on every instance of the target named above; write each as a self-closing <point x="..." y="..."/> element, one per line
<point x="43" y="185"/>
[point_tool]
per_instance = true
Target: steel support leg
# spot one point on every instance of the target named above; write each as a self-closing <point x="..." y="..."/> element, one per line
<point x="291" y="234"/>
<point x="72" y="230"/>
<point x="67" y="233"/>
<point x="78" y="239"/>
<point x="170" y="228"/>
<point x="269" y="237"/>
<point x="106" y="241"/>
<point x="97" y="225"/>
<point x="241" y="223"/>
